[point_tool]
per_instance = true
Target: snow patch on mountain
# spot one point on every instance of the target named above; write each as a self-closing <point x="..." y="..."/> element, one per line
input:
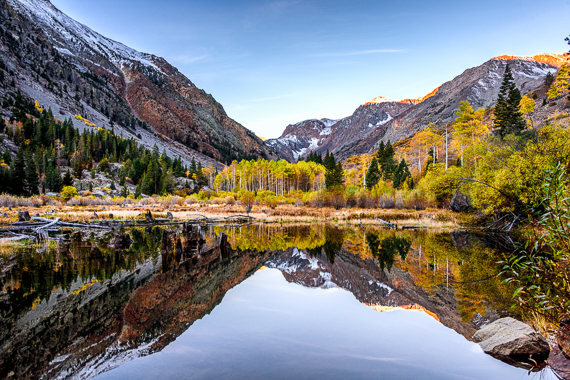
<point x="78" y="35"/>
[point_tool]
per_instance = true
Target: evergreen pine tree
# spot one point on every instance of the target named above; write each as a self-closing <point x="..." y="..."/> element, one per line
<point x="508" y="118"/>
<point x="32" y="180"/>
<point x="67" y="179"/>
<point x="373" y="174"/>
<point x="401" y="174"/>
<point x="19" y="173"/>
<point x="7" y="158"/>
<point x="386" y="160"/>
<point x="334" y="174"/>
<point x="113" y="185"/>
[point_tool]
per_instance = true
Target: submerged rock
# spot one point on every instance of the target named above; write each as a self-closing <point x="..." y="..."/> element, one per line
<point x="513" y="342"/>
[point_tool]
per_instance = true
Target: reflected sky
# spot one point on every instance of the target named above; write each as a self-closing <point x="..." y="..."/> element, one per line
<point x="266" y="328"/>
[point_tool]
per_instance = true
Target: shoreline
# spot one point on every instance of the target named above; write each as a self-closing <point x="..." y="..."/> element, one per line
<point x="429" y="218"/>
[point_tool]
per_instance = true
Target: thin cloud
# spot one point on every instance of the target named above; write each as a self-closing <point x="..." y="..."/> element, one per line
<point x="187" y="59"/>
<point x="360" y="52"/>
<point x="273" y="98"/>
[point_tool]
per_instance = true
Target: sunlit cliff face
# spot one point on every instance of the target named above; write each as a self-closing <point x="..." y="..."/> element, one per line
<point x="414" y="307"/>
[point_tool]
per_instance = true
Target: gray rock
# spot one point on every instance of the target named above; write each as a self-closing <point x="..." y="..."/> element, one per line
<point x="100" y="193"/>
<point x="513" y="342"/>
<point x="169" y="215"/>
<point x="460" y="201"/>
<point x="23" y="216"/>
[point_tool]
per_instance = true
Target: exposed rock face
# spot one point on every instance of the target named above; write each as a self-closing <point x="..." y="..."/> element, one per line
<point x="74" y="70"/>
<point x="513" y="342"/>
<point x="298" y="140"/>
<point x="479" y="85"/>
<point x="366" y="120"/>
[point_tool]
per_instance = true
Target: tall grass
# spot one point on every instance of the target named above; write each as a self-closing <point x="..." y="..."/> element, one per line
<point x="7" y="200"/>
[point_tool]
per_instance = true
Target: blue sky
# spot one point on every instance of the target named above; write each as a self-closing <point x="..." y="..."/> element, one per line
<point x="273" y="63"/>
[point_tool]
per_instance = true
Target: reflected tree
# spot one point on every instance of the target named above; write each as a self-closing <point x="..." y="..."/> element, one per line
<point x="385" y="250"/>
<point x="334" y="238"/>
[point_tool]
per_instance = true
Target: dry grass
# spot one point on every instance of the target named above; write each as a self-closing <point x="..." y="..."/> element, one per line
<point x="83" y="209"/>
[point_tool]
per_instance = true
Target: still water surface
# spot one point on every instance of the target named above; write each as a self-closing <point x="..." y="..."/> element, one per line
<point x="272" y="302"/>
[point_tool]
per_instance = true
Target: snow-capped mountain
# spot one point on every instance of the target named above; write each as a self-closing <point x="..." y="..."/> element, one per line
<point x="479" y="85"/>
<point x="384" y="119"/>
<point x="72" y="69"/>
<point x="363" y="122"/>
<point x="298" y="140"/>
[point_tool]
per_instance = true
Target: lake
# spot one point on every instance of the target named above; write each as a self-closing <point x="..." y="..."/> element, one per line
<point x="259" y="301"/>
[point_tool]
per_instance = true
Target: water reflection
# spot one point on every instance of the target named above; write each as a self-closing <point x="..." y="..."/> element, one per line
<point x="100" y="300"/>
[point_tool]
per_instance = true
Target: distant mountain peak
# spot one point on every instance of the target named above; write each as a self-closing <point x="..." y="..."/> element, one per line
<point x="384" y="99"/>
<point x="553" y="59"/>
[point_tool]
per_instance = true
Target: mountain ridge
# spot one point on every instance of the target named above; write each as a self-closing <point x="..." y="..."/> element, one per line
<point x="71" y="68"/>
<point x="384" y="119"/>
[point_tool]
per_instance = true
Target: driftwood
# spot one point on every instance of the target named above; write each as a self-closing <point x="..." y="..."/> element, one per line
<point x="387" y="224"/>
<point x="38" y="227"/>
<point x="504" y="224"/>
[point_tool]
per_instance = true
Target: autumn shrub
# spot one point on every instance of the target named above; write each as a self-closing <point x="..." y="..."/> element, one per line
<point x="49" y="201"/>
<point x="191" y="200"/>
<point x="68" y="192"/>
<point x="7" y="200"/>
<point x="271" y="201"/>
<point x="169" y="200"/>
<point x="366" y="200"/>
<point x="145" y="201"/>
<point x="399" y="201"/>
<point x="130" y="200"/>
<point x="202" y="195"/>
<point x="351" y="200"/>
<point x="335" y="199"/>
<point x="386" y="201"/>
<point x="247" y="198"/>
<point x="515" y="181"/>
<point x="441" y="183"/>
<point x="230" y="200"/>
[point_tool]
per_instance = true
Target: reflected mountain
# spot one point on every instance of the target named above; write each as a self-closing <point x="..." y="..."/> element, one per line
<point x="96" y="302"/>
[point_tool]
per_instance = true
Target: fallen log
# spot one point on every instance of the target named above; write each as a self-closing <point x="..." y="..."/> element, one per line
<point x="387" y="224"/>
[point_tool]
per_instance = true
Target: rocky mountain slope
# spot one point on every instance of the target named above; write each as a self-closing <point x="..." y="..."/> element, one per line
<point x="74" y="70"/>
<point x="300" y="139"/>
<point x="479" y="85"/>
<point x="385" y="119"/>
<point x="364" y="121"/>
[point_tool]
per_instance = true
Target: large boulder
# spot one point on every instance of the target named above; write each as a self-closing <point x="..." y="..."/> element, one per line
<point x="513" y="342"/>
<point x="460" y="201"/>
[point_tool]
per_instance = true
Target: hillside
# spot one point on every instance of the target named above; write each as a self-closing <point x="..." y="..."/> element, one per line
<point x="384" y="119"/>
<point x="73" y="70"/>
